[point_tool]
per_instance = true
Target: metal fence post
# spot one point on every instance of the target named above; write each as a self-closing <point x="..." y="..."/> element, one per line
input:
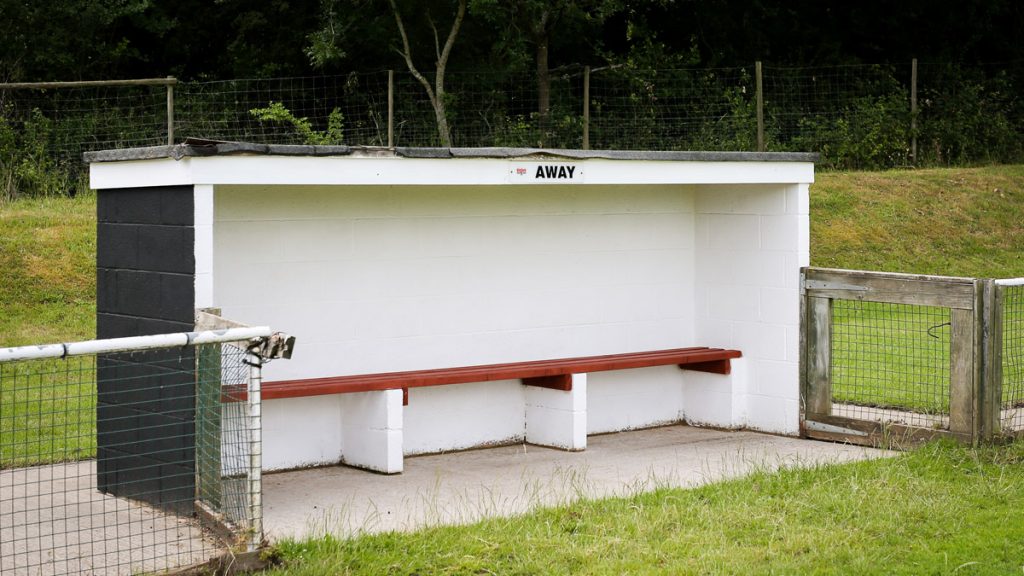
<point x="586" y="107"/>
<point x="255" y="448"/>
<point x="760" y="106"/>
<point x="170" y="110"/>
<point x="391" y="108"/>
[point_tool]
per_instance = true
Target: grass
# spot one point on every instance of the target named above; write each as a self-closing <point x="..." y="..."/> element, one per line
<point x="47" y="411"/>
<point x="942" y="509"/>
<point x="950" y="221"/>
<point x="48" y="258"/>
<point x="47" y="294"/>
<point x="891" y="356"/>
<point x="953" y="222"/>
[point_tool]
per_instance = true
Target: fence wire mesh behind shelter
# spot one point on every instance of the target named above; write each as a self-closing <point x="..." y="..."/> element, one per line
<point x="1012" y="401"/>
<point x="98" y="462"/>
<point x="856" y="116"/>
<point x="891" y="363"/>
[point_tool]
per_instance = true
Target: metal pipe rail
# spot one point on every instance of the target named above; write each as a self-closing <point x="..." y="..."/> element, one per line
<point x="133" y="343"/>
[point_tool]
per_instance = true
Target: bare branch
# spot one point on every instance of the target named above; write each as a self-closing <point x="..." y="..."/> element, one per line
<point x="443" y="60"/>
<point x="406" y="53"/>
<point x="437" y="39"/>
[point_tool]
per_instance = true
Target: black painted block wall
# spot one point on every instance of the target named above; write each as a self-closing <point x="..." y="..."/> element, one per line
<point x="145" y="284"/>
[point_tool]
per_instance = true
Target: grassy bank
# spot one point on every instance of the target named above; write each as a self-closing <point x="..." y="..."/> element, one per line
<point x="48" y="258"/>
<point x="952" y="221"/>
<point x="942" y="509"/>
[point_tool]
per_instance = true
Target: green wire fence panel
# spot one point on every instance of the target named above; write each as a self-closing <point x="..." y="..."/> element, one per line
<point x="890" y="362"/>
<point x="1012" y="401"/>
<point x="125" y="461"/>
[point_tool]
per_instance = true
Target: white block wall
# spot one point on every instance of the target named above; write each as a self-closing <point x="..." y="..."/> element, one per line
<point x="391" y="278"/>
<point x="638" y="398"/>
<point x="750" y="244"/>
<point x="463" y="416"/>
<point x="379" y="279"/>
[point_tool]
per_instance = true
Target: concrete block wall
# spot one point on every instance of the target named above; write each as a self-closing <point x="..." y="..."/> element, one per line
<point x="558" y="418"/>
<point x="464" y="415"/>
<point x="751" y="241"/>
<point x="638" y="398"/>
<point x="145" y="401"/>
<point x="403" y="278"/>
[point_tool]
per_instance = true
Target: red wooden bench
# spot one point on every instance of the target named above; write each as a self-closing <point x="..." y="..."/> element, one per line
<point x="555" y="374"/>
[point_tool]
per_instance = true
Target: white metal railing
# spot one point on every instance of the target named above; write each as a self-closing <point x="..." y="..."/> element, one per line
<point x="133" y="343"/>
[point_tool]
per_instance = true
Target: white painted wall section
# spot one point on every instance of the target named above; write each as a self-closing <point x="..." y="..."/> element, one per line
<point x="203" y="246"/>
<point x="462" y="416"/>
<point x="750" y="244"/>
<point x="300" y="432"/>
<point x="631" y="399"/>
<point x="406" y="278"/>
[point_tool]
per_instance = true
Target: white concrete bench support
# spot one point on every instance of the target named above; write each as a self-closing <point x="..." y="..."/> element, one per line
<point x="372" y="430"/>
<point x="558" y="418"/>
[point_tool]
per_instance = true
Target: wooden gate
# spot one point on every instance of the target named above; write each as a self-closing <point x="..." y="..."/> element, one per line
<point x="888" y="359"/>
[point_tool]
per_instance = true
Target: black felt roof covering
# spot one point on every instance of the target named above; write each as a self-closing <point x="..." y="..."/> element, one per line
<point x="192" y="147"/>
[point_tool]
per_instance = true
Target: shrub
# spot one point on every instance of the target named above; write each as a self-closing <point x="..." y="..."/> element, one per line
<point x="334" y="134"/>
<point x="28" y="165"/>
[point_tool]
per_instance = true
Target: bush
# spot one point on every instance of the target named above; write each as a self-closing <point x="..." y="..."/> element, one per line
<point x="970" y="117"/>
<point x="333" y="135"/>
<point x="28" y="165"/>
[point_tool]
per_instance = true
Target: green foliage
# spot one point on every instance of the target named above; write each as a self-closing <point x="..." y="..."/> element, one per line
<point x="968" y="117"/>
<point x="27" y="165"/>
<point x="333" y="135"/>
<point x="565" y="131"/>
<point x="868" y="133"/>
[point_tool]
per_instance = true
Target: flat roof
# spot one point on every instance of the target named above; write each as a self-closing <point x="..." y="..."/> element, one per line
<point x="214" y="163"/>
<point x="194" y="148"/>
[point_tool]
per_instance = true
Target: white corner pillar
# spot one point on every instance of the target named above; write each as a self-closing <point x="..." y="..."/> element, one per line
<point x="372" y="430"/>
<point x="558" y="418"/>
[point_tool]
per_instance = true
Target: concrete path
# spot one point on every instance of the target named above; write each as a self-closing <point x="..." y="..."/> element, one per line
<point x="53" y="520"/>
<point x="466" y="486"/>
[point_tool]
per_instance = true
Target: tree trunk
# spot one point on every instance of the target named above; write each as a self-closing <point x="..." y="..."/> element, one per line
<point x="540" y="33"/>
<point x="435" y="93"/>
<point x="543" y="85"/>
<point x="441" y="115"/>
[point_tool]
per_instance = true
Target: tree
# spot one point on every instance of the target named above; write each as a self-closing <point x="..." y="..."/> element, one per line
<point x="526" y="26"/>
<point x="435" y="93"/>
<point x="66" y="40"/>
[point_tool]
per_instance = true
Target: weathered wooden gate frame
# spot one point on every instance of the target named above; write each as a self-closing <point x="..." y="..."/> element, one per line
<point x="975" y="352"/>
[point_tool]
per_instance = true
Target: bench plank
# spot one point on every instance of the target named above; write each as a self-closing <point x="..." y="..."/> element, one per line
<point x="545" y="373"/>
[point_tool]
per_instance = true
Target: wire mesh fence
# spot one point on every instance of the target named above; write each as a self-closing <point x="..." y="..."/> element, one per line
<point x="228" y="110"/>
<point x="685" y="109"/>
<point x="859" y="114"/>
<point x="64" y="122"/>
<point x="856" y="116"/>
<point x="1011" y="414"/>
<point x="123" y="461"/>
<point x="888" y="358"/>
<point x="891" y="363"/>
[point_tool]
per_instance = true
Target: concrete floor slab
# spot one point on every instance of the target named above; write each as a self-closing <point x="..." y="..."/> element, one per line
<point x="466" y="486"/>
<point x="54" y="520"/>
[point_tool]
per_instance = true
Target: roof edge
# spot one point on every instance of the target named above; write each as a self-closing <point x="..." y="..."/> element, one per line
<point x="196" y="148"/>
